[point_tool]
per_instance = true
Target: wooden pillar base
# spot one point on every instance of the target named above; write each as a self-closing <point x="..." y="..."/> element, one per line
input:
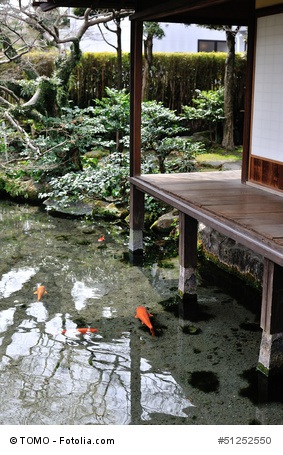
<point x="136" y="221"/>
<point x="188" y="231"/>
<point x="187" y="282"/>
<point x="270" y="359"/>
<point x="271" y="348"/>
<point x="136" y="241"/>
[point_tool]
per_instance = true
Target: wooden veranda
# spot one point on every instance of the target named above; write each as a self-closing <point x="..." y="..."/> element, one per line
<point x="246" y="206"/>
<point x="247" y="214"/>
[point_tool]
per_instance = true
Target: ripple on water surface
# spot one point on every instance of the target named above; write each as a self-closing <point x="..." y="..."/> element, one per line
<point x="191" y="372"/>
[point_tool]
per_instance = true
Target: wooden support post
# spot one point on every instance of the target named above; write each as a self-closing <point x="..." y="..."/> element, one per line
<point x="271" y="348"/>
<point x="136" y="220"/>
<point x="188" y="233"/>
<point x="136" y="97"/>
<point x="136" y="196"/>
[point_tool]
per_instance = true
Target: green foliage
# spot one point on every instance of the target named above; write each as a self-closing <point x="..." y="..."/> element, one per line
<point x="113" y="113"/>
<point x="42" y="61"/>
<point x="208" y="109"/>
<point x="108" y="180"/>
<point x="209" y="106"/>
<point x="185" y="154"/>
<point x="175" y="76"/>
<point x="159" y="122"/>
<point x="68" y="141"/>
<point x="160" y="129"/>
<point x="153" y="29"/>
<point x="94" y="73"/>
<point x="83" y="130"/>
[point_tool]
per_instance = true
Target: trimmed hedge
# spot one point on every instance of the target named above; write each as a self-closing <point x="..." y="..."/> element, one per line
<point x="177" y="76"/>
<point x="174" y="78"/>
<point x="95" y="72"/>
<point x="43" y="62"/>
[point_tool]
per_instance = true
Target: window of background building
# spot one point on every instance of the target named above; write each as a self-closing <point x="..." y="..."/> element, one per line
<point x="205" y="45"/>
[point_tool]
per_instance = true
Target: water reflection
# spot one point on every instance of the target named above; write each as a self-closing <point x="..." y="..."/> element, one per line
<point x="86" y="378"/>
<point x="13" y="280"/>
<point x="82" y="292"/>
<point x="6" y="318"/>
<point x="120" y="375"/>
<point x="70" y="378"/>
<point x="161" y="393"/>
<point x="38" y="311"/>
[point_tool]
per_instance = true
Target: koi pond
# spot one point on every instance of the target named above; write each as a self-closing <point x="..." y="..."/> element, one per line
<point x="194" y="372"/>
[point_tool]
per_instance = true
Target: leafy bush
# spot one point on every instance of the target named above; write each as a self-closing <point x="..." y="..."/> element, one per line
<point x="159" y="134"/>
<point x="208" y="110"/>
<point x="113" y="113"/>
<point x="96" y="127"/>
<point x="109" y="180"/>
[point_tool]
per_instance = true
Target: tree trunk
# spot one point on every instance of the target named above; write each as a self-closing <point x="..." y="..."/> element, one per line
<point x="228" y="132"/>
<point x="148" y="46"/>
<point x="119" y="54"/>
<point x="64" y="66"/>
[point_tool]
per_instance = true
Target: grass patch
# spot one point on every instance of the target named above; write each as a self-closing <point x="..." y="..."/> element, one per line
<point x="220" y="154"/>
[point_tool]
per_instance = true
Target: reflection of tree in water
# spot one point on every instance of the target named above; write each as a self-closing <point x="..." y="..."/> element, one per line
<point x="48" y="378"/>
<point x="54" y="379"/>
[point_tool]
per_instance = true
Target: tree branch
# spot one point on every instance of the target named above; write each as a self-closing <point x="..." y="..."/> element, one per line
<point x="20" y="130"/>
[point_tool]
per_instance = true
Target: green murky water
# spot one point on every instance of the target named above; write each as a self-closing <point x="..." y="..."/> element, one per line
<point x="200" y="371"/>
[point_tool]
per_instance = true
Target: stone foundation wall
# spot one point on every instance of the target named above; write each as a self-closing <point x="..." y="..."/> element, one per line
<point x="231" y="255"/>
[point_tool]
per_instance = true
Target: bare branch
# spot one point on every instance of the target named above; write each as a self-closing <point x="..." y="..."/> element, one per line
<point x="5" y="102"/>
<point x="22" y="132"/>
<point x="104" y="39"/>
<point x="9" y="92"/>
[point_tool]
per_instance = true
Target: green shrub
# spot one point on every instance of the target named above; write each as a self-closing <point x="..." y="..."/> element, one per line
<point x="208" y="111"/>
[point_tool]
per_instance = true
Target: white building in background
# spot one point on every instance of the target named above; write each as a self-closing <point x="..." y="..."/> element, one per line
<point x="178" y="38"/>
<point x="193" y="38"/>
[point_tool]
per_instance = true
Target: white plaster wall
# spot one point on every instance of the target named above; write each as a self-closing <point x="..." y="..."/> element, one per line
<point x="182" y="38"/>
<point x="267" y="129"/>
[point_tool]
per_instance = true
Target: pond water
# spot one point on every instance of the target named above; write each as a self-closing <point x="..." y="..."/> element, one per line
<point x="195" y="372"/>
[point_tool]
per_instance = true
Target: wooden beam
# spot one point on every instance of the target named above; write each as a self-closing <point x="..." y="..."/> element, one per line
<point x="272" y="298"/>
<point x="136" y="97"/>
<point x="188" y="228"/>
<point x="248" y="99"/>
<point x="169" y="8"/>
<point x="188" y="234"/>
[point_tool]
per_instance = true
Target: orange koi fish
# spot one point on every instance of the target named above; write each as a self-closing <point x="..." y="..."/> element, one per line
<point x="82" y="330"/>
<point x="101" y="238"/>
<point x="143" y="315"/>
<point x="41" y="291"/>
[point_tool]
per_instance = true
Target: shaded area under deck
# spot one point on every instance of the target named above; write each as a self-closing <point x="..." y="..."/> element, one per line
<point x="247" y="214"/>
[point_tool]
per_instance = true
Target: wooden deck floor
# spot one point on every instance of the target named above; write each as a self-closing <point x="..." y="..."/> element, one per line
<point x="247" y="214"/>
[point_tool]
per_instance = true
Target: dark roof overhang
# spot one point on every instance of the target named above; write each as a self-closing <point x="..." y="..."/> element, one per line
<point x="220" y="12"/>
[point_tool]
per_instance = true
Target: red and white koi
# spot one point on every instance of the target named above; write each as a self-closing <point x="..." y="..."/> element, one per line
<point x="79" y="331"/>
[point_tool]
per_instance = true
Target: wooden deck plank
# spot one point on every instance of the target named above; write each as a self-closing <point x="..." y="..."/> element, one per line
<point x="250" y="215"/>
<point x="237" y="208"/>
